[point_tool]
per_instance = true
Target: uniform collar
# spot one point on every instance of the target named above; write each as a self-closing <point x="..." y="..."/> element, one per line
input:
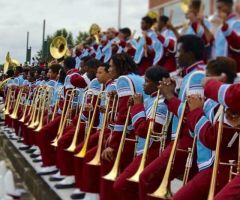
<point x="231" y="16"/>
<point x="196" y="65"/>
<point x="71" y="71"/>
<point x="154" y="94"/>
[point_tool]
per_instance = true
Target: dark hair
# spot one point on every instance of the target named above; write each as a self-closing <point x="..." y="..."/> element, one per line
<point x="229" y="2"/>
<point x="93" y="63"/>
<point x="148" y="20"/>
<point x="106" y="66"/>
<point x="223" y="65"/>
<point x="55" y="68"/>
<point x="62" y="76"/>
<point x="19" y="69"/>
<point x="196" y="4"/>
<point x="69" y="62"/>
<point x="193" y="44"/>
<point x="124" y="64"/>
<point x="156" y="73"/>
<point x="10" y="73"/>
<point x="38" y="70"/>
<point x="126" y="31"/>
<point x="32" y="73"/>
<point x="86" y="58"/>
<point x="164" y="19"/>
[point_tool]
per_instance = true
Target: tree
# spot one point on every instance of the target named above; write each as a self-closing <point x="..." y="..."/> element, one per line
<point x="82" y="36"/>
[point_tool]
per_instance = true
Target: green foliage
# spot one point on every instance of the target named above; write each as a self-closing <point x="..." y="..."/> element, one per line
<point x="82" y="36"/>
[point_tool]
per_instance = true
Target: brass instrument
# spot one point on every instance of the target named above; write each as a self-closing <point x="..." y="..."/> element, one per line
<point x="10" y="93"/>
<point x="26" y="104"/>
<point x="47" y="97"/>
<point x="135" y="177"/>
<point x="17" y="103"/>
<point x="95" y="32"/>
<point x="72" y="147"/>
<point x="184" y="5"/>
<point x="60" y="90"/>
<point x="58" y="47"/>
<point x="84" y="149"/>
<point x="97" y="158"/>
<point x="36" y="109"/>
<point x="163" y="192"/>
<point x="9" y="63"/>
<point x="113" y="174"/>
<point x="237" y="164"/>
<point x="65" y="114"/>
<point x="217" y="156"/>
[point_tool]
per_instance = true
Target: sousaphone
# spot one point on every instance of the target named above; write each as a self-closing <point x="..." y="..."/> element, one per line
<point x="58" y="47"/>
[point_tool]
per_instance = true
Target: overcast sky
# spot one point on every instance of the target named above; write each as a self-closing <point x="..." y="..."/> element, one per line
<point x="19" y="16"/>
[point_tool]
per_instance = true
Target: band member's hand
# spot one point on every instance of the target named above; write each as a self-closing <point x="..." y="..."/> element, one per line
<point x="108" y="154"/>
<point x="88" y="107"/>
<point x="112" y="94"/>
<point x="222" y="78"/>
<point x="102" y="109"/>
<point x="195" y="101"/>
<point x="130" y="101"/>
<point x="233" y="117"/>
<point x="167" y="88"/>
<point x="137" y="99"/>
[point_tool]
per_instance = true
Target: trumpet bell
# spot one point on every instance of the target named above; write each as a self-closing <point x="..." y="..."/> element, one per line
<point x="58" y="47"/>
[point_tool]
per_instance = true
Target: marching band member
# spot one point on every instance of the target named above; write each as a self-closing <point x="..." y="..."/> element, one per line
<point x="190" y="53"/>
<point x="144" y="55"/>
<point x="226" y="40"/>
<point x="63" y="157"/>
<point x="128" y="84"/>
<point x="202" y="122"/>
<point x="86" y="175"/>
<point x="140" y="116"/>
<point x="168" y="39"/>
<point x="73" y="79"/>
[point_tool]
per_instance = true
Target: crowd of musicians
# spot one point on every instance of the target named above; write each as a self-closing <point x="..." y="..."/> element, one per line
<point x="126" y="118"/>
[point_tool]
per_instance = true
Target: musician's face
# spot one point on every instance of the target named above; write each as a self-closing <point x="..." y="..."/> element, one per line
<point x="102" y="76"/>
<point x="112" y="71"/>
<point x="149" y="86"/>
<point x="144" y="26"/>
<point x="223" y="9"/>
<point x="181" y="56"/>
<point x="52" y="75"/>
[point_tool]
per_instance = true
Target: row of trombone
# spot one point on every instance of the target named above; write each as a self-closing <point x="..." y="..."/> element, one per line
<point x="41" y="104"/>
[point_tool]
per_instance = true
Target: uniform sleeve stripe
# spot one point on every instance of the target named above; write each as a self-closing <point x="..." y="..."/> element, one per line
<point x="139" y="115"/>
<point x="222" y="93"/>
<point x="203" y="120"/>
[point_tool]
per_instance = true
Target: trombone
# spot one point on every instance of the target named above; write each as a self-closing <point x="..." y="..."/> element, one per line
<point x="163" y="191"/>
<point x="72" y="147"/>
<point x="135" y="177"/>
<point x="113" y="174"/>
<point x="97" y="158"/>
<point x="65" y="114"/>
<point x="84" y="149"/>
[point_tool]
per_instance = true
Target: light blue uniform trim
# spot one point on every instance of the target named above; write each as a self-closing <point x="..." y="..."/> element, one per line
<point x="222" y="93"/>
